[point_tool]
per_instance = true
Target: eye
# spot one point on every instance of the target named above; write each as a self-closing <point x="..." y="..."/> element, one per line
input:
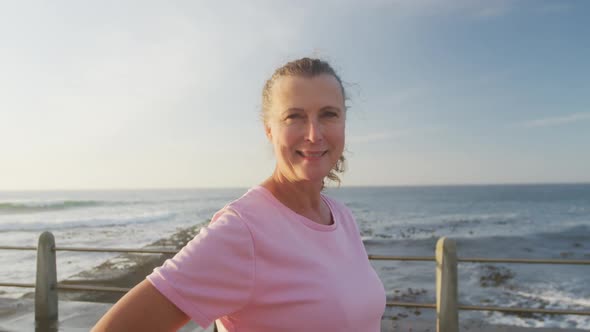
<point x="293" y="116"/>
<point x="330" y="114"/>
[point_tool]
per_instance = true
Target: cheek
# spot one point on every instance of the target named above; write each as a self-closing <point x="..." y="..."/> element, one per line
<point x="283" y="140"/>
<point x="337" y="133"/>
<point x="288" y="137"/>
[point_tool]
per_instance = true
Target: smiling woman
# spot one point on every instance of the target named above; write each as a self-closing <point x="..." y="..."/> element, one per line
<point x="284" y="256"/>
<point x="306" y="126"/>
<point x="303" y="95"/>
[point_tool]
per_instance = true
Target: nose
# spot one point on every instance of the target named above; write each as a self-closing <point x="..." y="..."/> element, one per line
<point x="314" y="131"/>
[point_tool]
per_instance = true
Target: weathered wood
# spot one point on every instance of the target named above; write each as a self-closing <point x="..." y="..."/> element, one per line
<point x="447" y="314"/>
<point x="45" y="288"/>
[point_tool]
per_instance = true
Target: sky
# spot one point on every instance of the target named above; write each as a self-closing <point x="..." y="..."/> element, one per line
<point x="162" y="94"/>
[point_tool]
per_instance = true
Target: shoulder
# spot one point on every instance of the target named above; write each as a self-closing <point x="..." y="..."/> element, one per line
<point x="250" y="204"/>
<point x="343" y="213"/>
<point x="337" y="206"/>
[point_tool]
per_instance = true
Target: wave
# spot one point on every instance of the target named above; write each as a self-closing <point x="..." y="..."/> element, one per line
<point x="474" y="225"/>
<point x="546" y="297"/>
<point x="43" y="206"/>
<point x="542" y="234"/>
<point x="557" y="298"/>
<point x="88" y="223"/>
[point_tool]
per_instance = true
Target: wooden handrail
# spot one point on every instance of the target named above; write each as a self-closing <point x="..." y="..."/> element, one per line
<point x="445" y="258"/>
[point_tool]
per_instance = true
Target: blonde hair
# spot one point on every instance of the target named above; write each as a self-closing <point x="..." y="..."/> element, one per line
<point x="304" y="67"/>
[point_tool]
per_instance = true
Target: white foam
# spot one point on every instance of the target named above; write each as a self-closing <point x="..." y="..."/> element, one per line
<point x="556" y="297"/>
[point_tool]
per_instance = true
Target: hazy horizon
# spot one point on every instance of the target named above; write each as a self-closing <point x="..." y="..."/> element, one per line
<point x="328" y="187"/>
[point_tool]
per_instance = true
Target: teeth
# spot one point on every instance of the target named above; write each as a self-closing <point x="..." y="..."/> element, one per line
<point x="314" y="154"/>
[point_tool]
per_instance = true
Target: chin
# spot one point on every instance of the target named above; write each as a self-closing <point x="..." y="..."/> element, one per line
<point x="313" y="176"/>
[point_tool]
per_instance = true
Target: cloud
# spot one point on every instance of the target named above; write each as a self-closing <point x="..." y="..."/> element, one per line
<point x="374" y="137"/>
<point x="479" y="9"/>
<point x="558" y="120"/>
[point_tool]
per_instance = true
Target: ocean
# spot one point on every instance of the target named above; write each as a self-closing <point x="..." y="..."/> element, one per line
<point x="495" y="221"/>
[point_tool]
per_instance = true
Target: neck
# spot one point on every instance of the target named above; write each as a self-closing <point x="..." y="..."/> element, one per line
<point x="298" y="196"/>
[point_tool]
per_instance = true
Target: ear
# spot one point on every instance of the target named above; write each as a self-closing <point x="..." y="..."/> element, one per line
<point x="267" y="131"/>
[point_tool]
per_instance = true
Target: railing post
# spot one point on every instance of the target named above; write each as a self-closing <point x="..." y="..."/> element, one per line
<point x="46" y="283"/>
<point x="447" y="316"/>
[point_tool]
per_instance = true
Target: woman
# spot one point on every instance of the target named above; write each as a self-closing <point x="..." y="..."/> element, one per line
<point x="283" y="257"/>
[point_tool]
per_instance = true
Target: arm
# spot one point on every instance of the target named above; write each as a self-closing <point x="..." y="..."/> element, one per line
<point x="213" y="275"/>
<point x="143" y="308"/>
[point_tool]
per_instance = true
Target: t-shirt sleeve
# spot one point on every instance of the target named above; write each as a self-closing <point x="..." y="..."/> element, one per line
<point x="213" y="275"/>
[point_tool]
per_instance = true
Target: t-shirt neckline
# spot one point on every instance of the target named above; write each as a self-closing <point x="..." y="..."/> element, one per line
<point x="306" y="221"/>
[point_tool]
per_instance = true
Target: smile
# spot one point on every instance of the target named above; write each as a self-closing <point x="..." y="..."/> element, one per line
<point x="312" y="154"/>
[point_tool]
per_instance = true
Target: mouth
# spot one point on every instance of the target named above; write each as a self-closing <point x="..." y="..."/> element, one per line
<point x="311" y="154"/>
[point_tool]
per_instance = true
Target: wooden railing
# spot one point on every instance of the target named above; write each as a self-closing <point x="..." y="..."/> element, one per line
<point x="447" y="306"/>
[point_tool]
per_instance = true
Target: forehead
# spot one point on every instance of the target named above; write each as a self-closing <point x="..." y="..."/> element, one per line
<point x="297" y="91"/>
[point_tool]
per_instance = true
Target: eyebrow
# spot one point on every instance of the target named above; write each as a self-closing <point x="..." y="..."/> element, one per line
<point x="331" y="108"/>
<point x="325" y="108"/>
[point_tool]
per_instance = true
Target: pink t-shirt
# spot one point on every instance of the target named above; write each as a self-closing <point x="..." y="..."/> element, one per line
<point x="259" y="266"/>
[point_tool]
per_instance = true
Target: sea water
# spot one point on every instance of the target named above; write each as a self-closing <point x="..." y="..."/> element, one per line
<point x="495" y="221"/>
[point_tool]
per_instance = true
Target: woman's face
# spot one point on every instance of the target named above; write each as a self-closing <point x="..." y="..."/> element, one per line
<point x="305" y="124"/>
